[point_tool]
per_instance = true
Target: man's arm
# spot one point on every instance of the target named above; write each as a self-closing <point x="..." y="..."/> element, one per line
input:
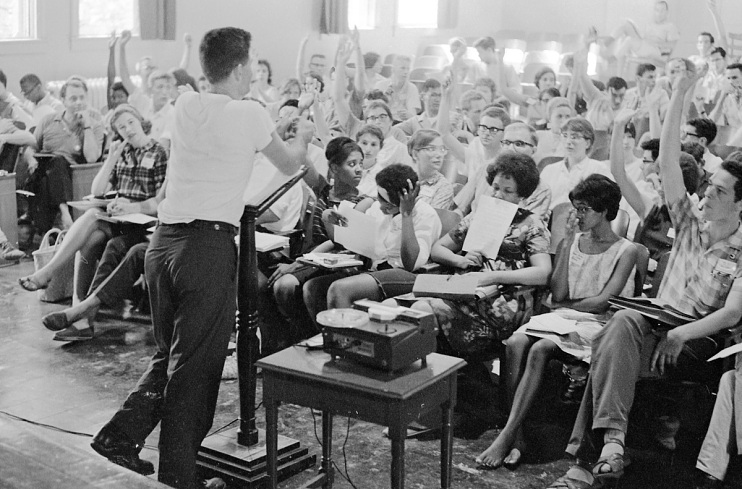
<point x="721" y="38"/>
<point x="123" y="68"/>
<point x="359" y="80"/>
<point x="300" y="58"/>
<point x="444" y="122"/>
<point x="342" y="107"/>
<point x="185" y="60"/>
<point x="618" y="168"/>
<point x="669" y="157"/>
<point x="589" y="92"/>
<point x="289" y="158"/>
<point x="111" y="71"/>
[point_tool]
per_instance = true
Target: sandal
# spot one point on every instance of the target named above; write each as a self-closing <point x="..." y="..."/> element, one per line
<point x="617" y="462"/>
<point x="30" y="284"/>
<point x="567" y="482"/>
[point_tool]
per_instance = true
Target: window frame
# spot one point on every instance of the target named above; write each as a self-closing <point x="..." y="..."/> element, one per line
<point x="75" y="25"/>
<point x="397" y="24"/>
<point x="372" y="15"/>
<point x="33" y="27"/>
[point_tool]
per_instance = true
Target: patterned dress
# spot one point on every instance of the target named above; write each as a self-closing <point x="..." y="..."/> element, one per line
<point x="476" y="326"/>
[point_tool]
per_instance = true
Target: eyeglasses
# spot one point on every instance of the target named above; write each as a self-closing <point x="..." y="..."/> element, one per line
<point x="582" y="209"/>
<point x="517" y="144"/>
<point x="491" y="130"/>
<point x="647" y="161"/>
<point x="573" y="137"/>
<point x="375" y="118"/>
<point x="434" y="149"/>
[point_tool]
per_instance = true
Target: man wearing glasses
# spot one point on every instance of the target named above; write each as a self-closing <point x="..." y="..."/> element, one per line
<point x="10" y="106"/>
<point x="41" y="101"/>
<point x="432" y="101"/>
<point x="703" y="132"/>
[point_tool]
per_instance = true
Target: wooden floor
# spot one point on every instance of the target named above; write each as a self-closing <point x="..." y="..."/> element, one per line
<point x="78" y="386"/>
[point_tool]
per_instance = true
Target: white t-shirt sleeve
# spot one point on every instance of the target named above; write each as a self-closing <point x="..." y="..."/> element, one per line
<point x="258" y="124"/>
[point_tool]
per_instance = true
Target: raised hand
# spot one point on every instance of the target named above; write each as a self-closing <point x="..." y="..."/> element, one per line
<point x="687" y="79"/>
<point x="187" y="39"/>
<point x="407" y="198"/>
<point x="355" y="36"/>
<point x="345" y="50"/>
<point x="305" y="131"/>
<point x="125" y="36"/>
<point x="112" y="39"/>
<point x="623" y="117"/>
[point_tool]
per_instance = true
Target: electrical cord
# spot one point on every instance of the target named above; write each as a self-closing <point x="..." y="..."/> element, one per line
<point x="345" y="475"/>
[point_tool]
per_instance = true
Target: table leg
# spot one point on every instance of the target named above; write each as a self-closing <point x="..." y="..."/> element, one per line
<point x="398" y="433"/>
<point x="326" y="464"/>
<point x="446" y="444"/>
<point x="271" y="440"/>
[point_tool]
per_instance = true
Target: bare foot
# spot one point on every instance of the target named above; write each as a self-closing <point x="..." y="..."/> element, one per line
<point x="495" y="454"/>
<point x="513" y="458"/>
<point x="33" y="282"/>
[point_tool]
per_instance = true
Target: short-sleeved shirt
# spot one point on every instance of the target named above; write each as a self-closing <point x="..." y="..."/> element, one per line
<point x="699" y="277"/>
<point x="417" y="122"/>
<point x="45" y="106"/>
<point x="408" y="98"/>
<point x="527" y="236"/>
<point x="562" y="178"/>
<point x="161" y="120"/>
<point x="731" y="112"/>
<point x="437" y="191"/>
<point x="389" y="238"/>
<point x="139" y="172"/>
<point x="55" y="135"/>
<point x="325" y="201"/>
<point x="215" y="139"/>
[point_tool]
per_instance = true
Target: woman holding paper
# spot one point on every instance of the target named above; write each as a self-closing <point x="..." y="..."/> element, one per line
<point x="591" y="266"/>
<point x="477" y="326"/>
<point x="135" y="168"/>
<point x="407" y="228"/>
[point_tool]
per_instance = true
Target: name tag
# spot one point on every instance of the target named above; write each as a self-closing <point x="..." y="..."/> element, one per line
<point x="725" y="267"/>
<point x="671" y="233"/>
<point x="148" y="162"/>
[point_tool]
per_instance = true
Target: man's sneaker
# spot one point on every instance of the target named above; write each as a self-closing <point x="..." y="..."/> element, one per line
<point x="9" y="252"/>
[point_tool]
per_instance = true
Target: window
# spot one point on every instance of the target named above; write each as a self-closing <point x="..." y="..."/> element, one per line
<point x="362" y="14"/>
<point x="17" y="19"/>
<point x="99" y="19"/>
<point x="417" y="14"/>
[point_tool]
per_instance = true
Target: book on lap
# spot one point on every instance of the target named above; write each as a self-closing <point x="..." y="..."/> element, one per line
<point x="134" y="218"/>
<point x="655" y="309"/>
<point x="455" y="287"/>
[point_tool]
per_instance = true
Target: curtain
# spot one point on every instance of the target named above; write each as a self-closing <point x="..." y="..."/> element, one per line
<point x="157" y="19"/>
<point x="448" y="14"/>
<point x="334" y="17"/>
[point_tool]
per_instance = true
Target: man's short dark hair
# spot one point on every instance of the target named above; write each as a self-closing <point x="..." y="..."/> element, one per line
<point x="394" y="178"/>
<point x="600" y="193"/>
<point x="617" y="83"/>
<point x="705" y="128"/>
<point x="645" y="67"/>
<point x="486" y="42"/>
<point x="376" y="94"/>
<point x="735" y="168"/>
<point x="370" y="59"/>
<point x="599" y="85"/>
<point x="735" y="66"/>
<point x="719" y="50"/>
<point x="520" y="168"/>
<point x="430" y="84"/>
<point x="707" y="34"/>
<point x="292" y="102"/>
<point x="3" y="79"/>
<point x="119" y="86"/>
<point x="690" y="173"/>
<point x="222" y="50"/>
<point x="630" y="129"/>
<point x="652" y="145"/>
<point x="31" y="79"/>
<point x="695" y="151"/>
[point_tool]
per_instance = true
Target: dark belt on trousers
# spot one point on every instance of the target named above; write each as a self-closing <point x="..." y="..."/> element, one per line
<point x="207" y="225"/>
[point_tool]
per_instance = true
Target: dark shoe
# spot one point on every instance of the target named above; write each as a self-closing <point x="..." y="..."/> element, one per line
<point x="56" y="321"/>
<point x="74" y="334"/>
<point x="9" y="252"/>
<point x="706" y="481"/>
<point x="121" y="450"/>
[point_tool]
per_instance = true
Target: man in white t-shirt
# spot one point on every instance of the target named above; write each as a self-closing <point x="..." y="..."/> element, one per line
<point x="404" y="97"/>
<point x="191" y="264"/>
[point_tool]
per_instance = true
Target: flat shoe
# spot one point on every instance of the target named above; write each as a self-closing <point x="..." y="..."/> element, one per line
<point x="616" y="461"/>
<point x="565" y="482"/>
<point x="31" y="285"/>
<point x="56" y="321"/>
<point x="73" y="334"/>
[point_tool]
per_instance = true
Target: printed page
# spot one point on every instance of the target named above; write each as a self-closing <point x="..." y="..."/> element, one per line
<point x="359" y="236"/>
<point x="489" y="226"/>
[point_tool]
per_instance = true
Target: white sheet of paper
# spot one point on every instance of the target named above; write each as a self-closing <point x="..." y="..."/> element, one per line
<point x="553" y="323"/>
<point x="267" y="242"/>
<point x="489" y="226"/>
<point x="133" y="218"/>
<point x="727" y="352"/>
<point x="359" y="236"/>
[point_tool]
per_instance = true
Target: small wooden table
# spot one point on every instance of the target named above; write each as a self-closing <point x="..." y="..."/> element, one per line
<point x="310" y="378"/>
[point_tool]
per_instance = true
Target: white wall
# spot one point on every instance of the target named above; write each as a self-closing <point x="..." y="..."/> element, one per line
<point x="279" y="25"/>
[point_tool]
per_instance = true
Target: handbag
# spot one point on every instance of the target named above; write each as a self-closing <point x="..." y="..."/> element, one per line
<point x="60" y="287"/>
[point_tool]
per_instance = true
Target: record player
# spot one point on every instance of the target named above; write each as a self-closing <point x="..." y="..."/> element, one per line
<point x="383" y="337"/>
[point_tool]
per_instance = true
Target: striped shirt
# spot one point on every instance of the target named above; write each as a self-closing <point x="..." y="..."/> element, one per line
<point x="699" y="277"/>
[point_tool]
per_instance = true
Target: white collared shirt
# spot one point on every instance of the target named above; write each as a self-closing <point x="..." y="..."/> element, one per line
<point x="562" y="179"/>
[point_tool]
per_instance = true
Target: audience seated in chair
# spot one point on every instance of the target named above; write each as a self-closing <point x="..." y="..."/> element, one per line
<point x="41" y="102"/>
<point x="407" y="230"/>
<point x="702" y="280"/>
<point x="135" y="168"/>
<point x="550" y="143"/>
<point x="428" y="152"/>
<point x="72" y="136"/>
<point x="345" y="160"/>
<point x="592" y="264"/>
<point x="475" y="328"/>
<point x="371" y="140"/>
